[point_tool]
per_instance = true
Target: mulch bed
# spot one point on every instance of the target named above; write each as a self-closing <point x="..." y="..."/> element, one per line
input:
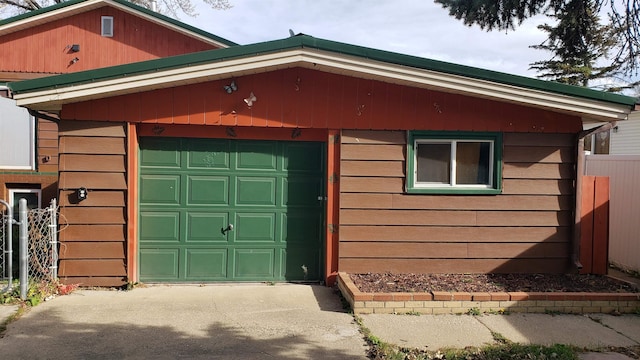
<point x="387" y="282"/>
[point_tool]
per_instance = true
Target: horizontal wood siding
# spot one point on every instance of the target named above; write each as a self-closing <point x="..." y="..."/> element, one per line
<point x="47" y="146"/>
<point x="93" y="238"/>
<point x="527" y="228"/>
<point x="306" y="98"/>
<point x="45" y="48"/>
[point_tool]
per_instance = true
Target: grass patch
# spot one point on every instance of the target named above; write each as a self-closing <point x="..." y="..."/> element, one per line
<point x="503" y="349"/>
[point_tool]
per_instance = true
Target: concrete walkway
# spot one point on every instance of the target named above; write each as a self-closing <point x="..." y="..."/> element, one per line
<point x="260" y="321"/>
<point x="433" y="332"/>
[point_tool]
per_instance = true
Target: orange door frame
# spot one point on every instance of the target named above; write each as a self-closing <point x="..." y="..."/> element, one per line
<point x="330" y="137"/>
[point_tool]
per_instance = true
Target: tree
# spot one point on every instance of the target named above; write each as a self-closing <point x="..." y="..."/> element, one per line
<point x="507" y="14"/>
<point x="577" y="42"/>
<point x="169" y="7"/>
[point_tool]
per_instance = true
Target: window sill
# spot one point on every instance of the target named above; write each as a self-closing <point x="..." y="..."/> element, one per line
<point x="454" y="191"/>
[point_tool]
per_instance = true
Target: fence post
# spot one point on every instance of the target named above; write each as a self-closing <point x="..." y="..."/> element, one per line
<point x="8" y="246"/>
<point x="23" y="216"/>
<point x="53" y="231"/>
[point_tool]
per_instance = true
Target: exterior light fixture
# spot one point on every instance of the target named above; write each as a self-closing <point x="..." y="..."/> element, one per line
<point x="82" y="193"/>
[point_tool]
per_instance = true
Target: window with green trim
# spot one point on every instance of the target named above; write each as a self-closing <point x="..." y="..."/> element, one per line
<point x="454" y="162"/>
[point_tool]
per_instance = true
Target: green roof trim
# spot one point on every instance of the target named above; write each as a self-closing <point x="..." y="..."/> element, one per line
<point x="304" y="41"/>
<point x="124" y="3"/>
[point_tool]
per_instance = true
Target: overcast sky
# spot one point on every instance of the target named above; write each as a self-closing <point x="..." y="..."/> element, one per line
<point x="414" y="27"/>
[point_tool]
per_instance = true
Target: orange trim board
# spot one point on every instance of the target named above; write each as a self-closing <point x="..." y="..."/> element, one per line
<point x="233" y="132"/>
<point x="132" y="202"/>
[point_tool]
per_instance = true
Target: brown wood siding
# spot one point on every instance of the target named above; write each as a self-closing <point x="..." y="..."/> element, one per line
<point x="44" y="48"/>
<point x="527" y="228"/>
<point x="92" y="155"/>
<point x="47" y="146"/>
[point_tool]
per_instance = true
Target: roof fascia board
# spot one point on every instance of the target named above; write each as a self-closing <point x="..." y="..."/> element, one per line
<point x="329" y="62"/>
<point x="76" y="7"/>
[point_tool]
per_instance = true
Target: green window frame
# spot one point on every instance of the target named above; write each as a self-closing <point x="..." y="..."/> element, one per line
<point x="455" y="162"/>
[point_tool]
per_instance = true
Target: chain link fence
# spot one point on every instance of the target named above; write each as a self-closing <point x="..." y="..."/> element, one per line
<point x="33" y="236"/>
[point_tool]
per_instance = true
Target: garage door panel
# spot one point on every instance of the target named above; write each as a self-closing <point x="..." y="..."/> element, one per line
<point x="207" y="190"/>
<point x="159" y="264"/>
<point x="159" y="227"/>
<point x="256" y="155"/>
<point x="301" y="228"/>
<point x="302" y="157"/>
<point x="208" y="154"/>
<point x="256" y="191"/>
<point x="206" y="264"/>
<point x="252" y="264"/>
<point x="160" y="152"/>
<point x="254" y="227"/>
<point x="302" y="191"/>
<point x="160" y="189"/>
<point x="300" y="263"/>
<point x="205" y="227"/>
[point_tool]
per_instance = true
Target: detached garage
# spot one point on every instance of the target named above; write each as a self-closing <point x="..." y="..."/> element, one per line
<point x="294" y="159"/>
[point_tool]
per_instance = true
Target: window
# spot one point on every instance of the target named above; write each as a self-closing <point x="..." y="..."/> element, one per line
<point x="31" y="195"/>
<point x="107" y="26"/>
<point x="454" y="162"/>
<point x="597" y="143"/>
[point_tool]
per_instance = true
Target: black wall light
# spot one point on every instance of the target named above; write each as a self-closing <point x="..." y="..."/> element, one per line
<point x="81" y="193"/>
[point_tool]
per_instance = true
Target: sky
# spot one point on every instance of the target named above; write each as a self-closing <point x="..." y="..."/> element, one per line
<point x="414" y="27"/>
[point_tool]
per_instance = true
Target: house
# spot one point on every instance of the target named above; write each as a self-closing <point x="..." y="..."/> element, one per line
<point x="292" y="159"/>
<point x="68" y="37"/>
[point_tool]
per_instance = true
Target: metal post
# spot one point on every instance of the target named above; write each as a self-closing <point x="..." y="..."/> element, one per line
<point x="8" y="250"/>
<point x="53" y="231"/>
<point x="23" y="214"/>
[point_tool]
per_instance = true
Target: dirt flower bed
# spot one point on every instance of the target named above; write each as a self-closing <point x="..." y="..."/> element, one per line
<point x="387" y="283"/>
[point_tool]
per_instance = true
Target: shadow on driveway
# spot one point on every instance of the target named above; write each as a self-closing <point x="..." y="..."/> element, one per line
<point x="172" y="322"/>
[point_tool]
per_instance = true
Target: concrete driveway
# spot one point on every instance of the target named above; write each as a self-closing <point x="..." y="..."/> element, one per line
<point x="192" y="322"/>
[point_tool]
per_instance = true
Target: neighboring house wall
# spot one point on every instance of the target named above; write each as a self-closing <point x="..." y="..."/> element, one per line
<point x="624" y="206"/>
<point x="46" y="48"/>
<point x="525" y="229"/>
<point x="625" y="137"/>
<point x="379" y="225"/>
<point x="23" y="163"/>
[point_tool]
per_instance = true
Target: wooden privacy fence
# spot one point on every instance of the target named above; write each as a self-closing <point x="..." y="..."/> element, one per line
<point x="594" y="225"/>
<point x="624" y="220"/>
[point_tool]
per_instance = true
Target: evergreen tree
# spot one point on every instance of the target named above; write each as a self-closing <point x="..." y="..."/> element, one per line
<point x="507" y="14"/>
<point x="577" y="42"/>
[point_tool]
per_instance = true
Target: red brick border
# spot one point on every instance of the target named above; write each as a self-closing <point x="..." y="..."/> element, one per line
<point x="443" y="302"/>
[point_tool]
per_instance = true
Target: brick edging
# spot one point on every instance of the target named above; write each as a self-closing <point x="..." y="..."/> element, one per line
<point x="443" y="302"/>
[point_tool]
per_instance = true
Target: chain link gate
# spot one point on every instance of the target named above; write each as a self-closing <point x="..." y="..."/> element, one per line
<point x="42" y="244"/>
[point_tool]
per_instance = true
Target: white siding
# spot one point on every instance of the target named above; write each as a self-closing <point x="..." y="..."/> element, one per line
<point x="625" y="140"/>
<point x="17" y="137"/>
<point x="624" y="217"/>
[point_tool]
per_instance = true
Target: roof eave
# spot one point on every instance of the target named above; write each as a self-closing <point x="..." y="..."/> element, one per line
<point x="588" y="109"/>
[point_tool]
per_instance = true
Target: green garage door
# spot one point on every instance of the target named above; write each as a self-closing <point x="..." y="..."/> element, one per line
<point x="230" y="210"/>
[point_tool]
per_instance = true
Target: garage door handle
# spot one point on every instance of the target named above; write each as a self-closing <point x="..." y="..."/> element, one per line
<point x="227" y="229"/>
